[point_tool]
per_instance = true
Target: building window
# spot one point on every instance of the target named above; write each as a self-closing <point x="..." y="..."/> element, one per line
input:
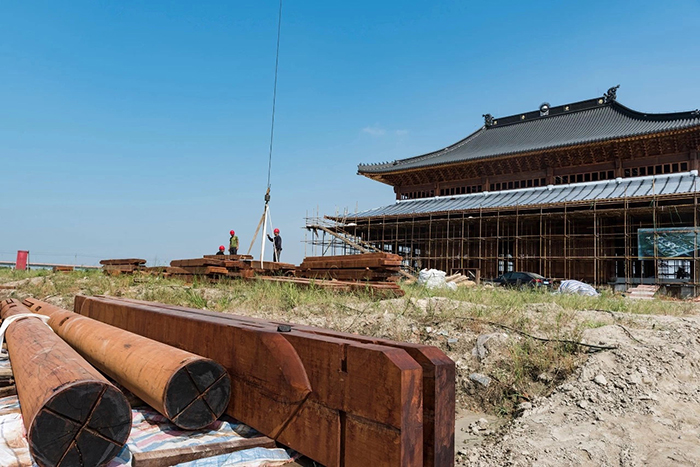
<point x="684" y="166"/>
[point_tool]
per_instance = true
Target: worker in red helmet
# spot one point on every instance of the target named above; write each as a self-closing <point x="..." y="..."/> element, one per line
<point x="221" y="250"/>
<point x="233" y="244"/>
<point x="278" y="245"/>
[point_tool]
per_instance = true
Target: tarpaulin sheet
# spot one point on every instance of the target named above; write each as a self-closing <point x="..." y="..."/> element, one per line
<point x="150" y="432"/>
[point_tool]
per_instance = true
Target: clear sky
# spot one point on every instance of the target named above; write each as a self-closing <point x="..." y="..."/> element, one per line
<point x="141" y="129"/>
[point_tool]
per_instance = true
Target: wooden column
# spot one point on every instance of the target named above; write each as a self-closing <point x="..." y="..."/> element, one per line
<point x="72" y="414"/>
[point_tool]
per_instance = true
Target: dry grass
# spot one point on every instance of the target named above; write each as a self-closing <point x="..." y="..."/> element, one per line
<point x="521" y="368"/>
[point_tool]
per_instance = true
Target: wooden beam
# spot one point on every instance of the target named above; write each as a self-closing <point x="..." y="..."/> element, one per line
<point x="363" y="395"/>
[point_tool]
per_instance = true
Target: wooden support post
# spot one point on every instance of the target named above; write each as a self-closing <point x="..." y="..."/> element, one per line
<point x="191" y="391"/>
<point x="72" y="414"/>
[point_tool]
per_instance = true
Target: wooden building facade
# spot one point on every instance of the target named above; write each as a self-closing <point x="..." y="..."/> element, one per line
<point x="591" y="190"/>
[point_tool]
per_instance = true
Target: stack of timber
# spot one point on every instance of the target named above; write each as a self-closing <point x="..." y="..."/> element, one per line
<point x="368" y="267"/>
<point x="122" y="266"/>
<point x="218" y="266"/>
<point x="340" y="399"/>
<point x="188" y="268"/>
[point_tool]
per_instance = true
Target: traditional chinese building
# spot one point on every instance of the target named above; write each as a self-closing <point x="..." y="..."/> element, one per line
<point x="591" y="190"/>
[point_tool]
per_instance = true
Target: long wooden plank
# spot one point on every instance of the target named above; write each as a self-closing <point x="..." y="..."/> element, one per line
<point x="122" y="262"/>
<point x="176" y="456"/>
<point x="438" y="382"/>
<point x="359" y="390"/>
<point x="181" y="263"/>
<point x="230" y="257"/>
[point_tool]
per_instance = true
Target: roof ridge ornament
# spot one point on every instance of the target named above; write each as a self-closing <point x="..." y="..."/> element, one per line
<point x="488" y="119"/>
<point x="611" y="95"/>
<point x="695" y="113"/>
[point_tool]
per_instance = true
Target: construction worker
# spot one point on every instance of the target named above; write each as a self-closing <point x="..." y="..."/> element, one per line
<point x="221" y="250"/>
<point x="233" y="244"/>
<point x="278" y="245"/>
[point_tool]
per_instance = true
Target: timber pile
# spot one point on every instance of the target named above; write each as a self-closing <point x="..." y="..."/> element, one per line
<point x="122" y="266"/>
<point x="339" y="399"/>
<point x="363" y="267"/>
<point x="218" y="266"/>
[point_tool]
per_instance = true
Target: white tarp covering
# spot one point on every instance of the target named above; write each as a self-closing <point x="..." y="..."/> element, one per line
<point x="435" y="279"/>
<point x="577" y="287"/>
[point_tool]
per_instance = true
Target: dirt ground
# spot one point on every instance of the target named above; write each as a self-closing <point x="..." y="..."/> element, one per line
<point x="636" y="404"/>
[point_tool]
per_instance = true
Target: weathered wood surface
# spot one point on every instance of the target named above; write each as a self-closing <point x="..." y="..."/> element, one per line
<point x="189" y="390"/>
<point x="363" y="395"/>
<point x="176" y="456"/>
<point x="72" y="414"/>
<point x="438" y="381"/>
<point x="199" y="270"/>
<point x="181" y="263"/>
<point x="123" y="262"/>
<point x="268" y="380"/>
<point x="365" y="274"/>
<point x="230" y="257"/>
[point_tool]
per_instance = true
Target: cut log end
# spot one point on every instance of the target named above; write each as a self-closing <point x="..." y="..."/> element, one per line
<point x="84" y="424"/>
<point x="197" y="394"/>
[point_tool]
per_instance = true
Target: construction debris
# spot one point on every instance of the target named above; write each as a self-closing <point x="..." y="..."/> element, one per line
<point x="72" y="414"/>
<point x="317" y="387"/>
<point x="189" y="390"/>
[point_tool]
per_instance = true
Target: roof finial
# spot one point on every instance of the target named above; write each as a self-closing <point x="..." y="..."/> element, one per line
<point x="488" y="119"/>
<point x="611" y="95"/>
<point x="695" y="113"/>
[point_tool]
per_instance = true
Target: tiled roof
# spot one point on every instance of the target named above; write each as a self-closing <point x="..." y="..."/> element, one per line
<point x="594" y="120"/>
<point x="637" y="187"/>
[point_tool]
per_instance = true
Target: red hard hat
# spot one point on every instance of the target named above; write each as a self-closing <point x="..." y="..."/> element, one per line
<point x="277" y="231"/>
<point x="222" y="248"/>
<point x="232" y="233"/>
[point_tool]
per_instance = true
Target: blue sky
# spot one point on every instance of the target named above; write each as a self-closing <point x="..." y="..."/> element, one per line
<point x="141" y="129"/>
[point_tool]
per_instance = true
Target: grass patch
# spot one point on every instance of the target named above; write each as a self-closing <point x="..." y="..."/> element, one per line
<point x="523" y="369"/>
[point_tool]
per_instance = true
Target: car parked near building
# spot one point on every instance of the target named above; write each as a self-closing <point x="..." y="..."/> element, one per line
<point x="522" y="279"/>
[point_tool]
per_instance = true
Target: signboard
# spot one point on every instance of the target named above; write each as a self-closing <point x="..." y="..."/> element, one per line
<point x="670" y="242"/>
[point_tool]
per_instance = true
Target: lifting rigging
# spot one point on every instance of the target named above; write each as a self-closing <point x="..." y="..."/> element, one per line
<point x="266" y="219"/>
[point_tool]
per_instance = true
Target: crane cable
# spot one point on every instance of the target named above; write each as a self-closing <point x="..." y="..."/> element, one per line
<point x="274" y="101"/>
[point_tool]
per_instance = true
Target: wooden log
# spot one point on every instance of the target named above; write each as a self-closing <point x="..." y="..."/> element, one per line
<point x="363" y="394"/>
<point x="189" y="390"/>
<point x="123" y="262"/>
<point x="72" y="414"/>
<point x="438" y="381"/>
<point x="268" y="380"/>
<point x="176" y="456"/>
